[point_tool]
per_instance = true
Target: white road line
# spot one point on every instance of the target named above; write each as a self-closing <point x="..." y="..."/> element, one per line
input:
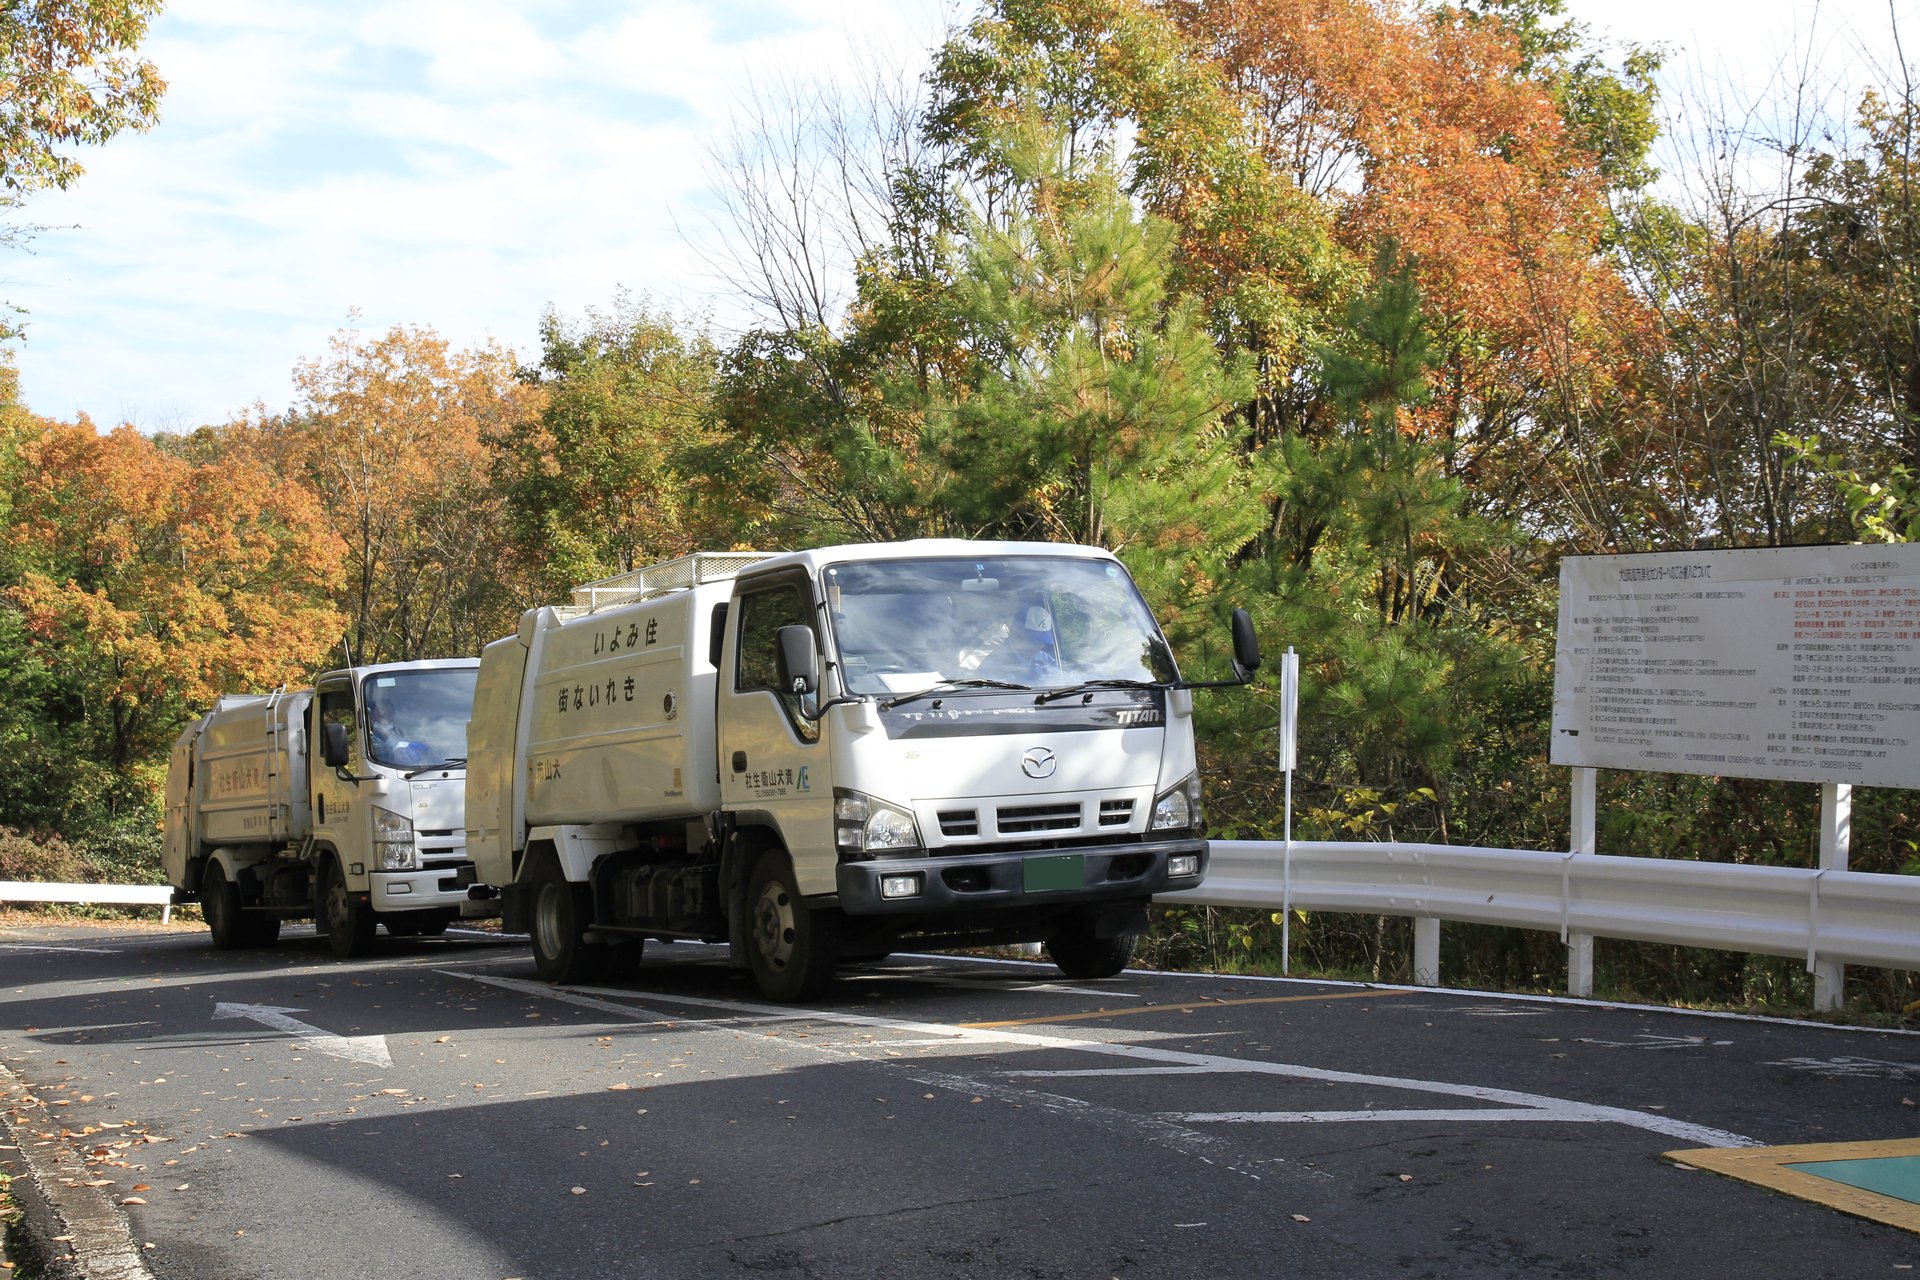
<point x="1560" y="1108"/>
<point x="1344" y="1117"/>
<point x="371" y="1050"/>
<point x="94" y="1026"/>
<point x="34" y="946"/>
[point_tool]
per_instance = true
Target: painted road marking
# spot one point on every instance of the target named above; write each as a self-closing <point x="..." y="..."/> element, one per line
<point x="1171" y="1008"/>
<point x="1555" y="1108"/>
<point x="1853" y="1068"/>
<point x="1830" y="1173"/>
<point x="1647" y="1040"/>
<point x="92" y="1026"/>
<point x="371" y="1050"/>
<point x="34" y="946"/>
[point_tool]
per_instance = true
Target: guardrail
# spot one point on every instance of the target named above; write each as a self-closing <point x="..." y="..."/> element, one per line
<point x="141" y="895"/>
<point x="1845" y="917"/>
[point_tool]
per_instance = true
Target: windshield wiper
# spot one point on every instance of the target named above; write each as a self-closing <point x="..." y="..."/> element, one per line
<point x="945" y="685"/>
<point x="1087" y="686"/>
<point x="451" y="762"/>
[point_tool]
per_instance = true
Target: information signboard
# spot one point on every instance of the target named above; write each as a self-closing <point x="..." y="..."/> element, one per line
<point x="1794" y="662"/>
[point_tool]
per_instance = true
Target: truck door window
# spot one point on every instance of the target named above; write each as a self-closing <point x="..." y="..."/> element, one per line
<point x="762" y="614"/>
<point x="336" y="707"/>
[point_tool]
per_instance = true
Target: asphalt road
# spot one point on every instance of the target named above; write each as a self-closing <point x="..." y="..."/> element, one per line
<point x="434" y="1111"/>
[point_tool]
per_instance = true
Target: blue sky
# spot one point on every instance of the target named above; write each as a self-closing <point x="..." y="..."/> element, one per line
<point x="463" y="164"/>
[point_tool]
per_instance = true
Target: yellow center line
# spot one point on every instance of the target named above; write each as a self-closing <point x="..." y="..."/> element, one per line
<point x="1177" y="1008"/>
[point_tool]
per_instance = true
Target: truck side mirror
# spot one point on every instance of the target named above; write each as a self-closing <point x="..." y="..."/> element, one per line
<point x="333" y="745"/>
<point x="1246" y="646"/>
<point x="796" y="661"/>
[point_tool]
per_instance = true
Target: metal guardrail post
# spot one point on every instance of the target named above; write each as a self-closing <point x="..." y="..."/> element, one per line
<point x="1836" y="837"/>
<point x="1579" y="945"/>
<point x="1426" y="951"/>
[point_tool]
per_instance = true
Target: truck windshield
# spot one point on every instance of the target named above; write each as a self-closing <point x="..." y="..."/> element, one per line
<point x="1033" y="621"/>
<point x="417" y="718"/>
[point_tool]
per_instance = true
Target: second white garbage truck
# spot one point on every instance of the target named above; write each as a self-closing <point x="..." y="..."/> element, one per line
<point x="825" y="754"/>
<point x="343" y="801"/>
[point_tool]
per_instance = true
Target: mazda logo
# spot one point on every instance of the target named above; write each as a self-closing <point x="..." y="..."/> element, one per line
<point x="1037" y="762"/>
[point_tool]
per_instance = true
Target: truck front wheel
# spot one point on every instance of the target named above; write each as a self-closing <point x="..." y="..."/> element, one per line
<point x="791" y="947"/>
<point x="561" y="952"/>
<point x="349" y="922"/>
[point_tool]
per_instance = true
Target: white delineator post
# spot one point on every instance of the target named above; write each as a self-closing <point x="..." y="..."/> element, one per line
<point x="1580" y="945"/>
<point x="1289" y="734"/>
<point x="1836" y="835"/>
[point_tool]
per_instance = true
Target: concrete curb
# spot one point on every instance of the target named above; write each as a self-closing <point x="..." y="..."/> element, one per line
<point x="47" y="1186"/>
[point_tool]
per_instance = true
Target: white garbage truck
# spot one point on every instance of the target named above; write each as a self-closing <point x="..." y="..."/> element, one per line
<point x="822" y="755"/>
<point x="343" y="802"/>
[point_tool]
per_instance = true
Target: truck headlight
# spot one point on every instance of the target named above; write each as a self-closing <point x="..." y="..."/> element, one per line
<point x="393" y="841"/>
<point x="863" y="826"/>
<point x="1179" y="808"/>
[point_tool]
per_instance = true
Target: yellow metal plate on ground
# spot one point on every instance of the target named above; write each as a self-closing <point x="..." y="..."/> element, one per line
<point x="1840" y="1175"/>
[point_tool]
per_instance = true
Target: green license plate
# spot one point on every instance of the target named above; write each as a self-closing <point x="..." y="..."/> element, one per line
<point x="1055" y="872"/>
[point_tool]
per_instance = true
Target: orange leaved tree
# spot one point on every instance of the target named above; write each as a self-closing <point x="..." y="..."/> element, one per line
<point x="152" y="584"/>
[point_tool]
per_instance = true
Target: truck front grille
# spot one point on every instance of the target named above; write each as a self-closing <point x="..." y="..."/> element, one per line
<point x="1116" y="813"/>
<point x="1038" y="817"/>
<point x="959" y="822"/>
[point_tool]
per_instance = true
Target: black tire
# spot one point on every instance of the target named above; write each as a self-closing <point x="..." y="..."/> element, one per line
<point x="435" y="925"/>
<point x="792" y="948"/>
<point x="349" y="922"/>
<point x="1080" y="957"/>
<point x="220" y="905"/>
<point x="400" y="926"/>
<point x="560" y="915"/>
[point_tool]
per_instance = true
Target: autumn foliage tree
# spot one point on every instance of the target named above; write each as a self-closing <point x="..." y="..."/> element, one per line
<point x="148" y="586"/>
<point x="390" y="436"/>
<point x="619" y="462"/>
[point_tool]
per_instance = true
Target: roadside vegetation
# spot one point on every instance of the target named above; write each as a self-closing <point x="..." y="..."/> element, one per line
<point x="1358" y="315"/>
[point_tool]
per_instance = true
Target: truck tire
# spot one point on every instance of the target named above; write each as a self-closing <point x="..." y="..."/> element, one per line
<point x="561" y="913"/>
<point x="220" y="905"/>
<point x="792" y="948"/>
<point x="1083" y="957"/>
<point x="349" y="922"/>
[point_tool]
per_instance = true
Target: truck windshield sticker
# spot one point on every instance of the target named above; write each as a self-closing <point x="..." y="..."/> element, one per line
<point x="990" y="713"/>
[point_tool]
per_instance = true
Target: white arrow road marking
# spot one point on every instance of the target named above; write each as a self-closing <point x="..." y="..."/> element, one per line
<point x="369" y="1049"/>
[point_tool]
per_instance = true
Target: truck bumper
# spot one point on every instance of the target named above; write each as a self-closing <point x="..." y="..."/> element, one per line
<point x="436" y="887"/>
<point x="988" y="880"/>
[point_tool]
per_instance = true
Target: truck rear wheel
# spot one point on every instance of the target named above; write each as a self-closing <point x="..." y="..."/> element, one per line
<point x="220" y="904"/>
<point x="792" y="948"/>
<point x="349" y="922"/>
<point x="1082" y="957"/>
<point x="561" y="911"/>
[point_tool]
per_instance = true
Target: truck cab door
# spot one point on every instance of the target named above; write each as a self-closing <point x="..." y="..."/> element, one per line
<point x="334" y="799"/>
<point x="772" y="767"/>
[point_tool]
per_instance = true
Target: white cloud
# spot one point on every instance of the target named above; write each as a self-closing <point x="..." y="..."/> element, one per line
<point x="456" y="165"/>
